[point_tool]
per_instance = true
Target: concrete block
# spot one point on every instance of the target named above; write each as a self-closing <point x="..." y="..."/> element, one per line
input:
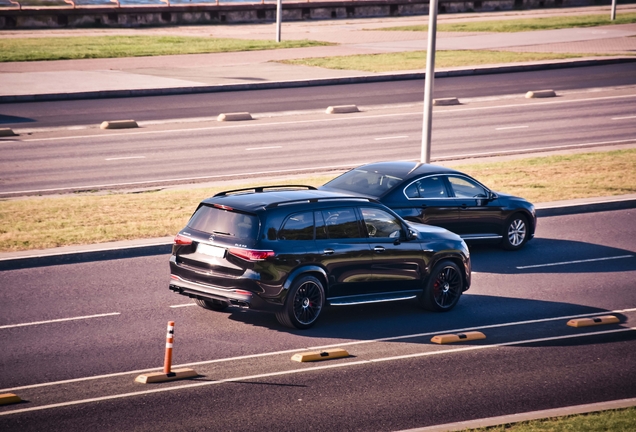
<point x="119" y="124"/>
<point x="342" y="109"/>
<point x="234" y="116"/>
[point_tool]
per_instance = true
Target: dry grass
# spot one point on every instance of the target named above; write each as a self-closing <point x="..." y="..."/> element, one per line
<point x="45" y="222"/>
<point x="414" y="60"/>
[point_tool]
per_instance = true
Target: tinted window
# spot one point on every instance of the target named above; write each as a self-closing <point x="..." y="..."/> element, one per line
<point x="214" y="220"/>
<point x="428" y="187"/>
<point x="365" y="182"/>
<point x="465" y="188"/>
<point x="380" y="224"/>
<point x="341" y="223"/>
<point x="299" y="226"/>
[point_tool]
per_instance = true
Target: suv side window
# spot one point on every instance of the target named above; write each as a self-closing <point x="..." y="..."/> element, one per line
<point x="464" y="188"/>
<point x="341" y="223"/>
<point x="380" y="224"/>
<point x="299" y="226"/>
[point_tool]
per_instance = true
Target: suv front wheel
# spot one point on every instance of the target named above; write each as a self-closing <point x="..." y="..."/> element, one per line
<point x="304" y="303"/>
<point x="443" y="288"/>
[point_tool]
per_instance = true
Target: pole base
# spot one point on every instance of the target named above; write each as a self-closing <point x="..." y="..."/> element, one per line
<point x="156" y="377"/>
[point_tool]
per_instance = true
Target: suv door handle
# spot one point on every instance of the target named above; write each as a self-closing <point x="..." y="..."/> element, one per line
<point x="379" y="249"/>
<point x="328" y="251"/>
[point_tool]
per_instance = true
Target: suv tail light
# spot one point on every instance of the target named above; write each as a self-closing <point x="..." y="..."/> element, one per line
<point x="182" y="240"/>
<point x="251" y="254"/>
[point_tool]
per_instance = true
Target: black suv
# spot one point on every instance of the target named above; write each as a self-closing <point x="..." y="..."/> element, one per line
<point x="293" y="249"/>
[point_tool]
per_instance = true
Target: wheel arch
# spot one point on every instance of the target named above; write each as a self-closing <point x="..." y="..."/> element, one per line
<point x="312" y="270"/>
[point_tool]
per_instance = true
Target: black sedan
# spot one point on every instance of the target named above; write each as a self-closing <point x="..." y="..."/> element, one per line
<point x="444" y="197"/>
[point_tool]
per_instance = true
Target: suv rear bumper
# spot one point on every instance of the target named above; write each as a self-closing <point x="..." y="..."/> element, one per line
<point x="236" y="297"/>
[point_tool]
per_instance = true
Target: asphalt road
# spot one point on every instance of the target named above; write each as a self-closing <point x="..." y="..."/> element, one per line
<point x="93" y="112"/>
<point x="395" y="378"/>
<point x="179" y="153"/>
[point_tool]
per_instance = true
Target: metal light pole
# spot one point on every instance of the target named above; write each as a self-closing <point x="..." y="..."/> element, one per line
<point x="613" y="13"/>
<point x="428" y="84"/>
<point x="279" y="14"/>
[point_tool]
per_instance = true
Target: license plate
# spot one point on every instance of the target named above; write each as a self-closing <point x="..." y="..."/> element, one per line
<point x="213" y="251"/>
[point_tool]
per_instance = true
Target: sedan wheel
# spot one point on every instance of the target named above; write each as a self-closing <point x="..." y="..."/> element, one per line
<point x="516" y="233"/>
<point x="304" y="303"/>
<point x="443" y="288"/>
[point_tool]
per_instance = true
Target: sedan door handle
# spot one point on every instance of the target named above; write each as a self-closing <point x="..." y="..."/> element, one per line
<point x="328" y="251"/>
<point x="379" y="249"/>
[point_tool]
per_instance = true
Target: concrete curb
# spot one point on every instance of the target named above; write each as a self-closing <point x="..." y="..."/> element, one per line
<point x="163" y="246"/>
<point x="487" y="70"/>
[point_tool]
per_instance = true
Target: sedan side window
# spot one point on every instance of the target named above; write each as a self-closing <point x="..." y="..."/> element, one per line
<point x="465" y="188"/>
<point x="380" y="224"/>
<point x="299" y="226"/>
<point x="341" y="223"/>
<point x="427" y="187"/>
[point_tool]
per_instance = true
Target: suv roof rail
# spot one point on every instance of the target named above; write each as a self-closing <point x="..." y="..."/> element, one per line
<point x="305" y="200"/>
<point x="259" y="189"/>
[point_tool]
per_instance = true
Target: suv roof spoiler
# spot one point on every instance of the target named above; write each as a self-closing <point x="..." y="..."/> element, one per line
<point x="259" y="189"/>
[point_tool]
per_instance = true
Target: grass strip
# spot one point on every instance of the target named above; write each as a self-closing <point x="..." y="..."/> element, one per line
<point x="46" y="222"/>
<point x="524" y="24"/>
<point x="413" y="60"/>
<point x="622" y="420"/>
<point x="83" y="47"/>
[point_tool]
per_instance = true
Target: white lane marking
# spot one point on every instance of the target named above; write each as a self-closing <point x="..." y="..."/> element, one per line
<point x="333" y="119"/>
<point x="390" y="138"/>
<point x="183" y="305"/>
<point x="574" y="262"/>
<point x="321" y="347"/>
<point x="512" y="127"/>
<point x="624" y="118"/>
<point x="59" y="320"/>
<point x="263" y="148"/>
<point x="319" y="168"/>
<point x="125" y="157"/>
<point x="317" y="368"/>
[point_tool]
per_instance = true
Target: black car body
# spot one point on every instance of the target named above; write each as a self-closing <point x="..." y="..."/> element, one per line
<point x="444" y="197"/>
<point x="294" y="251"/>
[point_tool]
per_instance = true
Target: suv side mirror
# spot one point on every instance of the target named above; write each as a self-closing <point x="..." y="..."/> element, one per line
<point x="411" y="235"/>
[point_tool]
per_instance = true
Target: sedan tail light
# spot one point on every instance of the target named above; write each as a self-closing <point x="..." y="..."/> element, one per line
<point x="251" y="254"/>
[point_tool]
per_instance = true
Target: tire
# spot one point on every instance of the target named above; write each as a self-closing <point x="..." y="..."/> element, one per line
<point x="443" y="288"/>
<point x="215" y="305"/>
<point x="304" y="303"/>
<point x="516" y="232"/>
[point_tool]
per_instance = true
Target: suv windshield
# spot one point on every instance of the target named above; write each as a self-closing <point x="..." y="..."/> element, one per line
<point x="365" y="182"/>
<point x="223" y="222"/>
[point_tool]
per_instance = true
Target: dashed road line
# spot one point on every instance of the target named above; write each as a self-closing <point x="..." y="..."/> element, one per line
<point x="59" y="320"/>
<point x="574" y="262"/>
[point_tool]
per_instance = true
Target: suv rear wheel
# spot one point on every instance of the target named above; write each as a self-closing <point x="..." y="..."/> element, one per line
<point x="304" y="303"/>
<point x="443" y="288"/>
<point x="215" y="305"/>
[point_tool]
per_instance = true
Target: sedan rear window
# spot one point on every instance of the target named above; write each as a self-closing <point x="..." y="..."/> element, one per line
<point x="224" y="222"/>
<point x="365" y="182"/>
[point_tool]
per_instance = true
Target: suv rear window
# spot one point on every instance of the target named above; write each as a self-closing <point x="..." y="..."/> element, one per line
<point x="223" y="222"/>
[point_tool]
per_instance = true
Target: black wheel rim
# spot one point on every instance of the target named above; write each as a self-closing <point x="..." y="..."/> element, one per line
<point x="447" y="287"/>
<point x="307" y="303"/>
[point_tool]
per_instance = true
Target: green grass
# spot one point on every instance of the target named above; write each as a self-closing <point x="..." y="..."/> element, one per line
<point x="389" y="62"/>
<point x="82" y="47"/>
<point x="525" y="24"/>
<point x="612" y="420"/>
<point x="45" y="222"/>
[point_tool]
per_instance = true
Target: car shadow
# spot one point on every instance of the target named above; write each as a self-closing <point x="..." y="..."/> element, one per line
<point x="7" y="119"/>
<point x="390" y="320"/>
<point x="552" y="256"/>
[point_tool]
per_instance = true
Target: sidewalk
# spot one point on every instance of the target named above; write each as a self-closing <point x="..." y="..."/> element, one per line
<point x="64" y="79"/>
